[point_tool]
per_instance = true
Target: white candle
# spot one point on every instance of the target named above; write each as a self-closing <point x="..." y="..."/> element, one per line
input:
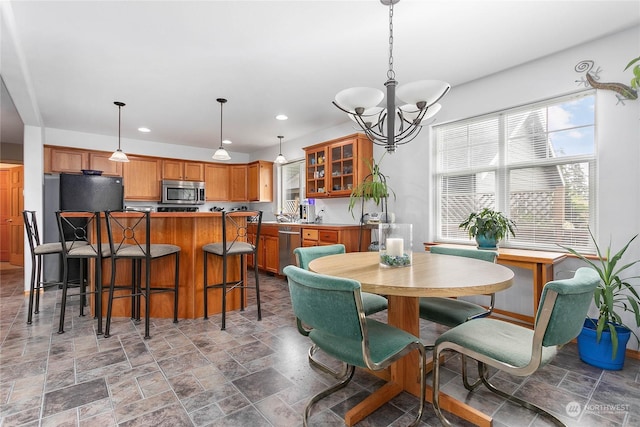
<point x="395" y="247"/>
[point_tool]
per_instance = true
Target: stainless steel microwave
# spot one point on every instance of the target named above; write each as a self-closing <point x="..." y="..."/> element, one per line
<point x="183" y="192"/>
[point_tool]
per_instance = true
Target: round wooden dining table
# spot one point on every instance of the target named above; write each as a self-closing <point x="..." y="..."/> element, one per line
<point x="429" y="275"/>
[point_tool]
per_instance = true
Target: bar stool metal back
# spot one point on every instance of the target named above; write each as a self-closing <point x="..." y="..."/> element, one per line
<point x="76" y="229"/>
<point x="130" y="239"/>
<point x="235" y="243"/>
<point x="38" y="251"/>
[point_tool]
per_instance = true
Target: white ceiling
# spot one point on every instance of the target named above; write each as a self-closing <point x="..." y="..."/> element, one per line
<point x="170" y="60"/>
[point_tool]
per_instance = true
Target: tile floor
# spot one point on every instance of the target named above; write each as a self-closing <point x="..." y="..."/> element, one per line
<point x="252" y="374"/>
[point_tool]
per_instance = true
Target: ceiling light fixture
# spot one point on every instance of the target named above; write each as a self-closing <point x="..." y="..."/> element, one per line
<point x="281" y="117"/>
<point x="221" y="153"/>
<point x="420" y="98"/>
<point x="119" y="155"/>
<point x="280" y="159"/>
<point x="144" y="130"/>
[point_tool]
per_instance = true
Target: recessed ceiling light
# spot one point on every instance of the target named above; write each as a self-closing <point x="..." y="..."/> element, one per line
<point x="226" y="141"/>
<point x="281" y="117"/>
<point x="145" y="130"/>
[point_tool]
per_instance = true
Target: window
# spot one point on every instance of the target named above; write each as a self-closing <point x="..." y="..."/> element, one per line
<point x="291" y="188"/>
<point x="535" y="163"/>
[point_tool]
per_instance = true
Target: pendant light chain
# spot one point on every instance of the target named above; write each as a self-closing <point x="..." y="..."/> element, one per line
<point x="391" y="75"/>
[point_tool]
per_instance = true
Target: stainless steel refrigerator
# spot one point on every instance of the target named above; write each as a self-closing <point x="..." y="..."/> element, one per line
<point x="75" y="193"/>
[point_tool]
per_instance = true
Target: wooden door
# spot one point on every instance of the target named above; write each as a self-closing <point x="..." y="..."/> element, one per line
<point x="142" y="178"/>
<point x="5" y="210"/>
<point x="99" y="160"/>
<point x="238" y="186"/>
<point x="16" y="223"/>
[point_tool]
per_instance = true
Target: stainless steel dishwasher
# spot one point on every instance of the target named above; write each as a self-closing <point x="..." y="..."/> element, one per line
<point x="290" y="239"/>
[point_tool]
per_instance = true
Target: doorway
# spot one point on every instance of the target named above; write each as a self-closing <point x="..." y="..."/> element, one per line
<point x="11" y="207"/>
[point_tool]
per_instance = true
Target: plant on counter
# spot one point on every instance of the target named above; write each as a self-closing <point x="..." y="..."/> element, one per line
<point x="488" y="227"/>
<point x="614" y="295"/>
<point x="373" y="187"/>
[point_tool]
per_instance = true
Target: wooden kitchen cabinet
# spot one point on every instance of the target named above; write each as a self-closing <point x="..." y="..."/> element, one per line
<point x="182" y="170"/>
<point x="99" y="160"/>
<point x="260" y="181"/>
<point x="238" y="183"/>
<point x="353" y="238"/>
<point x="216" y="181"/>
<point x="334" y="167"/>
<point x="142" y="178"/>
<point x="65" y="160"/>
<point x="268" y="247"/>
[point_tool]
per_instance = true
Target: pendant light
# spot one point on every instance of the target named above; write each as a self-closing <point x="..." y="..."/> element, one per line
<point x="221" y="153"/>
<point x="119" y="155"/>
<point x="379" y="124"/>
<point x="280" y="159"/>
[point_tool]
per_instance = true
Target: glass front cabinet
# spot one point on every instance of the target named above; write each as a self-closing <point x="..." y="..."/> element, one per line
<point x="334" y="167"/>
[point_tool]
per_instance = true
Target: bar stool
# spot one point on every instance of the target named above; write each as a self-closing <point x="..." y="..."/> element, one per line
<point x="130" y="239"/>
<point x="38" y="251"/>
<point x="76" y="229"/>
<point x="235" y="243"/>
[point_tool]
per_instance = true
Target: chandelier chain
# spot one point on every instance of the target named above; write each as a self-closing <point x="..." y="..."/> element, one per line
<point x="391" y="75"/>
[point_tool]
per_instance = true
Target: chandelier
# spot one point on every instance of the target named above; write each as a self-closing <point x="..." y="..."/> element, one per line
<point x="221" y="153"/>
<point x="379" y="124"/>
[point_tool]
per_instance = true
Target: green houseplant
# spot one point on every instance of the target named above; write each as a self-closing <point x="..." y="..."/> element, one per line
<point x="613" y="296"/>
<point x="373" y="187"/>
<point x="488" y="227"/>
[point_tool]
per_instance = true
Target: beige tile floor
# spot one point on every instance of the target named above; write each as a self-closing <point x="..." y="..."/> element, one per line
<point x="252" y="374"/>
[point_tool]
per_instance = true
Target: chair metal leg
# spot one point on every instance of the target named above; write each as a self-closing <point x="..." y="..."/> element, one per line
<point x="316" y="364"/>
<point x="224" y="292"/>
<point x="343" y="383"/>
<point x="32" y="290"/>
<point x="110" y="300"/>
<point x="257" y="279"/>
<point x="206" y="288"/>
<point x="436" y="390"/>
<point x="176" y="287"/>
<point x="482" y="369"/>
<point x="465" y="379"/>
<point x="63" y="302"/>
<point x="147" y="299"/>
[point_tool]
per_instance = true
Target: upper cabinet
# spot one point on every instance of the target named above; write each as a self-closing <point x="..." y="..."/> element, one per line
<point x="217" y="181"/>
<point x="334" y="167"/>
<point x="260" y="181"/>
<point x="238" y="183"/>
<point x="142" y="178"/>
<point x="182" y="170"/>
<point x="74" y="160"/>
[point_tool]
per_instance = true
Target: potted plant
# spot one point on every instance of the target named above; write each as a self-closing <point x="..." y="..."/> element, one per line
<point x="488" y="227"/>
<point x="373" y="187"/>
<point x="603" y="340"/>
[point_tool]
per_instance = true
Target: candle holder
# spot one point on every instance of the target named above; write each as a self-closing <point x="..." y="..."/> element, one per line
<point x="396" y="244"/>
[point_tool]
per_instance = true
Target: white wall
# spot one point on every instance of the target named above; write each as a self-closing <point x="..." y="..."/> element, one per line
<point x="617" y="135"/>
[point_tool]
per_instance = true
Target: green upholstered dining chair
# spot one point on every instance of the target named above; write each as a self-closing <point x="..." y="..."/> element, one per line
<point x="304" y="255"/>
<point x="333" y="308"/>
<point x="371" y="303"/>
<point x="515" y="349"/>
<point x="449" y="311"/>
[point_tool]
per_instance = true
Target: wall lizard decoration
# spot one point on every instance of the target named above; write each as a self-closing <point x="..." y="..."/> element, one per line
<point x="591" y="77"/>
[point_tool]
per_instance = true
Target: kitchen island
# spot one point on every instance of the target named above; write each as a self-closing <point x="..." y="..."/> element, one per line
<point x="190" y="231"/>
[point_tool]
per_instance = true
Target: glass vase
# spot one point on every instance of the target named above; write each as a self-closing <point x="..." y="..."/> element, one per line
<point x="396" y="244"/>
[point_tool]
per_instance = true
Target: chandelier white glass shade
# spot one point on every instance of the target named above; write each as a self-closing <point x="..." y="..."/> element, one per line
<point x="420" y="104"/>
<point x="221" y="153"/>
<point x="280" y="159"/>
<point x="119" y="155"/>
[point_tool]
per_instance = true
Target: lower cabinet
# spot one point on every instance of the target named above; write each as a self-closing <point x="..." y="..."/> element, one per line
<point x="352" y="237"/>
<point x="268" y="247"/>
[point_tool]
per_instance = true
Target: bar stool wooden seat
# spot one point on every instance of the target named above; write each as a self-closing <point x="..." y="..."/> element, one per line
<point x="235" y="243"/>
<point x="130" y="239"/>
<point x="38" y="251"/>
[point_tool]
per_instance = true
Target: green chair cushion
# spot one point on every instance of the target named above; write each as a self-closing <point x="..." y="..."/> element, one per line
<point x="373" y="303"/>
<point x="500" y="340"/>
<point x="384" y="342"/>
<point x="464" y="252"/>
<point x="448" y="311"/>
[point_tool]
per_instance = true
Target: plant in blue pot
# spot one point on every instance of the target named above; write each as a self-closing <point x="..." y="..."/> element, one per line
<point x="488" y="227"/>
<point x="603" y="340"/>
